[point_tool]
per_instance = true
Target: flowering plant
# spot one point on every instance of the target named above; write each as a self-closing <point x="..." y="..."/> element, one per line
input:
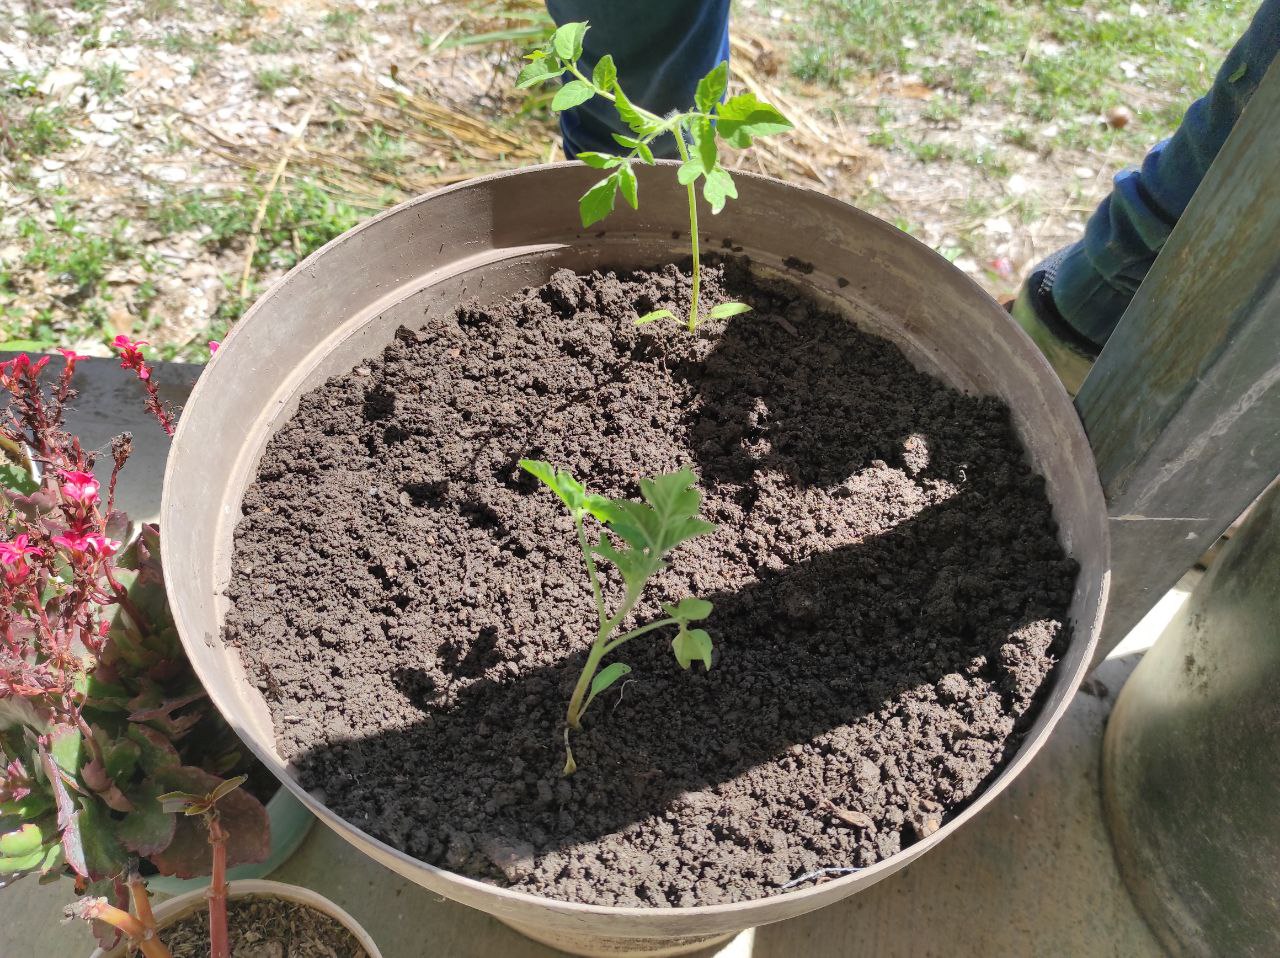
<point x="100" y="713"/>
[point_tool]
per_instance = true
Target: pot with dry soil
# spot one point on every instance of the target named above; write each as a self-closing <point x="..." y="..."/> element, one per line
<point x="908" y="569"/>
<point x="265" y="919"/>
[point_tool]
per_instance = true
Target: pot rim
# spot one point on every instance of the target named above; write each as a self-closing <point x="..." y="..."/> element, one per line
<point x="172" y="909"/>
<point x="1085" y="631"/>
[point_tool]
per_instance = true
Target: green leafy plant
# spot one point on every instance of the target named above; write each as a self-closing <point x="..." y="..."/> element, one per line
<point x="647" y="532"/>
<point x="736" y="121"/>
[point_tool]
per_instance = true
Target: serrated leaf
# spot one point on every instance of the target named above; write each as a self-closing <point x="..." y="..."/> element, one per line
<point x="597" y="202"/>
<point x="598" y="161"/>
<point x="712" y="86"/>
<point x="242" y="815"/>
<point x="572" y="94"/>
<point x="539" y="71"/>
<point x="633" y="564"/>
<point x="743" y="117"/>
<point x="665" y="519"/>
<point x="689" y="609"/>
<point x="692" y="645"/>
<point x="155" y="751"/>
<point x="653" y="317"/>
<point x="568" y="489"/>
<point x="148" y="828"/>
<point x="689" y="171"/>
<point x="120" y="758"/>
<point x="704" y="144"/>
<point x="628" y="186"/>
<point x="605" y="74"/>
<point x="725" y="310"/>
<point x="646" y="154"/>
<point x="718" y="188"/>
<point x="567" y="40"/>
<point x="68" y="814"/>
<point x="605" y="678"/>
<point x="633" y="118"/>
<point x="22" y="841"/>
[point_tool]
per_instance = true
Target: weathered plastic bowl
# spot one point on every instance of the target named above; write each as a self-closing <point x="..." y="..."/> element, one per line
<point x="486" y="239"/>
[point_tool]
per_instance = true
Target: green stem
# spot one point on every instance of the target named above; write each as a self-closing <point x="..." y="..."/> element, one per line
<point x="596" y="594"/>
<point x="635" y="633"/>
<point x="693" y="232"/>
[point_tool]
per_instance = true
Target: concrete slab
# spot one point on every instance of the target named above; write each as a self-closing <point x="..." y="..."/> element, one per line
<point x="1033" y="875"/>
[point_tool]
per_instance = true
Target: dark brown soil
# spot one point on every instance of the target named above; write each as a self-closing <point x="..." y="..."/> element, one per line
<point x="260" y="927"/>
<point x="889" y="595"/>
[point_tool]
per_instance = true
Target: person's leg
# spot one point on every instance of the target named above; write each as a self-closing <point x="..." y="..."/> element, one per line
<point x="1073" y="300"/>
<point x="662" y="48"/>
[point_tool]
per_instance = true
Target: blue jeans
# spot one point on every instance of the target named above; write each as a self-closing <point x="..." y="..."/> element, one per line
<point x="662" y="48"/>
<point x="1090" y="283"/>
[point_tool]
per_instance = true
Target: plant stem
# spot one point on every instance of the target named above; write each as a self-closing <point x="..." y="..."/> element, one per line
<point x="133" y="929"/>
<point x="141" y="901"/>
<point x="693" y="232"/>
<point x="659" y="623"/>
<point x="596" y="592"/>
<point x="218" y="944"/>
<point x="574" y="716"/>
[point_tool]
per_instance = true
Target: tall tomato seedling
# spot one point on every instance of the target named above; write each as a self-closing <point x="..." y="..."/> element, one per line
<point x="737" y="121"/>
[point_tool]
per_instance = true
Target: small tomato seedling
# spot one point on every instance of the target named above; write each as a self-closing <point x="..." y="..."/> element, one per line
<point x="737" y="121"/>
<point x="648" y="532"/>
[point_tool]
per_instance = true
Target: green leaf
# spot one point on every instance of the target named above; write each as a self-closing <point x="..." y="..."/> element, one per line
<point x="568" y="489"/>
<point x="646" y="154"/>
<point x="65" y="748"/>
<point x="627" y="184"/>
<point x="656" y="315"/>
<point x="567" y="41"/>
<point x="725" y="310"/>
<point x="712" y="86"/>
<point x="23" y="841"/>
<point x="692" y="645"/>
<point x="15" y="478"/>
<point x="634" y="565"/>
<point x="665" y="519"/>
<point x="102" y="853"/>
<point x="27" y="807"/>
<point x="12" y="865"/>
<point x="597" y="202"/>
<point x="120" y="758"/>
<point x="718" y="188"/>
<point x="605" y="75"/>
<point x="148" y="828"/>
<point x="605" y="678"/>
<point x="704" y="144"/>
<point x="539" y="71"/>
<point x="689" y="609"/>
<point x="598" y="161"/>
<point x="689" y="171"/>
<point x="571" y="94"/>
<point x="632" y="117"/>
<point x="743" y="117"/>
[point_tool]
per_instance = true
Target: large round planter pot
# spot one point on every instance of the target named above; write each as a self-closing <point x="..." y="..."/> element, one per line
<point x="1190" y="773"/>
<point x="290" y="822"/>
<point x="167" y="912"/>
<point x="487" y="239"/>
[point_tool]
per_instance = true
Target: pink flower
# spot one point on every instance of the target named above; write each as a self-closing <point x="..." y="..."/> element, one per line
<point x="14" y="555"/>
<point x="87" y="544"/>
<point x="15" y="783"/>
<point x="70" y="355"/>
<point x="18" y="366"/>
<point x="79" y="486"/>
<point x="213" y="345"/>
<point x="131" y="356"/>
